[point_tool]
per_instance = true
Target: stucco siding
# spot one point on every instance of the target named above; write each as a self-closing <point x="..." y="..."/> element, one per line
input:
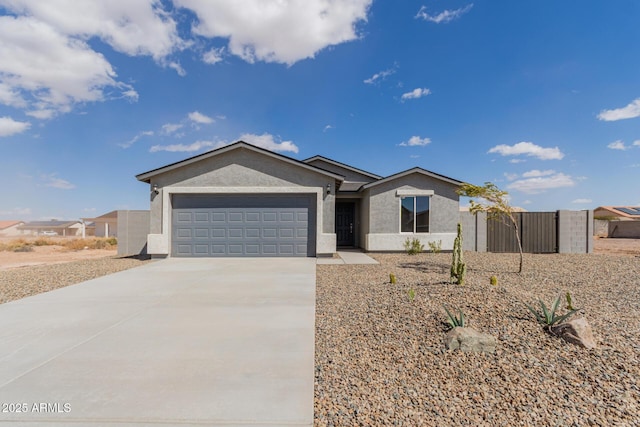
<point x="384" y="204"/>
<point x="348" y="174"/>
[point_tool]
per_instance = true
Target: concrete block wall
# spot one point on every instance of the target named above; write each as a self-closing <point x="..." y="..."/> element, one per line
<point x="133" y="228"/>
<point x="474" y="231"/>
<point x="575" y="232"/>
<point x="624" y="229"/>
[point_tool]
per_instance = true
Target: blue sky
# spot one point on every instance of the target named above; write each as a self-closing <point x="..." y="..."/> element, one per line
<point x="540" y="97"/>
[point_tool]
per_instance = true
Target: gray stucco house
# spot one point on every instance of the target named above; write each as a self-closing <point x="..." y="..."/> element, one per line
<point x="241" y="200"/>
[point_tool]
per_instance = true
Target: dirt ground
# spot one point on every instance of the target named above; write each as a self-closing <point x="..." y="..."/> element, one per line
<point x="50" y="255"/>
<point x="616" y="246"/>
<point x="58" y="254"/>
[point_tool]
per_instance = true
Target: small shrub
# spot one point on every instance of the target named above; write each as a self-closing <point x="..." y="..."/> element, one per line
<point x="413" y="246"/>
<point x="43" y="241"/>
<point x="411" y="293"/>
<point x="92" y="243"/>
<point x="392" y="279"/>
<point x="493" y="280"/>
<point x="569" y="304"/>
<point x="24" y="248"/>
<point x="435" y="247"/>
<point x="455" y="321"/>
<point x="548" y="317"/>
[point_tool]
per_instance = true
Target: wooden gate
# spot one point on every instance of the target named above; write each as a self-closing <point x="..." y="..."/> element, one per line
<point x="538" y="233"/>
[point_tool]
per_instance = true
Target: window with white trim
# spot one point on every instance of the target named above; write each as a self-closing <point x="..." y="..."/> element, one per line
<point x="414" y="214"/>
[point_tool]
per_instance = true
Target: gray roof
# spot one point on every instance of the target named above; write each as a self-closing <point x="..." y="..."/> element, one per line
<point x="48" y="224"/>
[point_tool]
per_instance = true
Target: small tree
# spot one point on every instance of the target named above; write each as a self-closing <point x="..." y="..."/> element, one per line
<point x="495" y="203"/>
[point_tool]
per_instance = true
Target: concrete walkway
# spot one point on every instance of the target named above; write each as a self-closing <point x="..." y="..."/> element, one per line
<point x="176" y="342"/>
<point x="349" y="256"/>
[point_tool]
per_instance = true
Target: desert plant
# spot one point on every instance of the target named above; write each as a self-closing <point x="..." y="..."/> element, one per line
<point x="455" y="321"/>
<point x="23" y="248"/>
<point x="548" y="317"/>
<point x="411" y="293"/>
<point x="495" y="203"/>
<point x="493" y="280"/>
<point x="392" y="278"/>
<point x="569" y="304"/>
<point x="458" y="267"/>
<point x="413" y="246"/>
<point x="435" y="247"/>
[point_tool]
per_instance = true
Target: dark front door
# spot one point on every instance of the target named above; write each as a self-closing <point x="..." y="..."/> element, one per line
<point x="345" y="224"/>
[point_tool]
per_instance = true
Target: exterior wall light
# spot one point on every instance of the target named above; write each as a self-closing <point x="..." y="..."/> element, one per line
<point x="329" y="188"/>
<point x="155" y="189"/>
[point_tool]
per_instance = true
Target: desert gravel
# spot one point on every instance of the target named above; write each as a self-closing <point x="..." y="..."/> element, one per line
<point x="380" y="358"/>
<point x="31" y="280"/>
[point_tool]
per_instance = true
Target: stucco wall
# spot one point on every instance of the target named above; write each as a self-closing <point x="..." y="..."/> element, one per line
<point x="385" y="205"/>
<point x="235" y="171"/>
<point x="132" y="229"/>
<point x="349" y="175"/>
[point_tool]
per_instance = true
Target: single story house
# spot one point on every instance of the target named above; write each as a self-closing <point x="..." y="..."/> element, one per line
<point x="104" y="225"/>
<point x="621" y="213"/>
<point x="241" y="200"/>
<point x="53" y="228"/>
<point x="10" y="228"/>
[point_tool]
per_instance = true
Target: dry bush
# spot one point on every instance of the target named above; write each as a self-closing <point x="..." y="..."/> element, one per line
<point x="18" y="245"/>
<point x="91" y="243"/>
<point x="44" y="241"/>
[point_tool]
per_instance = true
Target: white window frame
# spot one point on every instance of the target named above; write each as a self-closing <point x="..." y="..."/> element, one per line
<point x="401" y="195"/>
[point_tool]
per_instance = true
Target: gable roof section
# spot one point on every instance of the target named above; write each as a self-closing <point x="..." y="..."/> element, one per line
<point x="6" y="224"/>
<point x="632" y="212"/>
<point x="412" y="171"/>
<point x="344" y="166"/>
<point x="47" y="224"/>
<point x="146" y="176"/>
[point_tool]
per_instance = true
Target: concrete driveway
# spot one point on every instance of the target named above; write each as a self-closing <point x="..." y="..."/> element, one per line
<point x="218" y="342"/>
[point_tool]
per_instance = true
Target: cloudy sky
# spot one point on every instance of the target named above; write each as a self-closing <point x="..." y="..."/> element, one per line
<point x="540" y="97"/>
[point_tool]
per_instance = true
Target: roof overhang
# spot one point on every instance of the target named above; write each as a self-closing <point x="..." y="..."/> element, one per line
<point x="147" y="176"/>
<point x="342" y="165"/>
<point x="410" y="172"/>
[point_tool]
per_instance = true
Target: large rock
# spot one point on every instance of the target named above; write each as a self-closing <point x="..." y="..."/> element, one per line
<point x="468" y="339"/>
<point x="576" y="331"/>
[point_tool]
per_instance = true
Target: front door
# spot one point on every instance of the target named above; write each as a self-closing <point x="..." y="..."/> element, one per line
<point x="345" y="224"/>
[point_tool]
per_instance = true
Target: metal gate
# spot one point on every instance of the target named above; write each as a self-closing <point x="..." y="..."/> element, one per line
<point x="538" y="233"/>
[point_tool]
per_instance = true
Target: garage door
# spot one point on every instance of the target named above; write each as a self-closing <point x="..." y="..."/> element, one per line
<point x="267" y="226"/>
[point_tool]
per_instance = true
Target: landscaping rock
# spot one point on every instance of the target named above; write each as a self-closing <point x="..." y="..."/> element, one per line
<point x="468" y="339"/>
<point x="577" y="331"/>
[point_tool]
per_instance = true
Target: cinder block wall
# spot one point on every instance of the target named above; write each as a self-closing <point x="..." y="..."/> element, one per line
<point x="626" y="229"/>
<point x="133" y="228"/>
<point x="474" y="231"/>
<point x="575" y="232"/>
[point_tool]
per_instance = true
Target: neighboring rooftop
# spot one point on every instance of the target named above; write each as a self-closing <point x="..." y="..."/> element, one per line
<point x="9" y="223"/>
<point x="628" y="212"/>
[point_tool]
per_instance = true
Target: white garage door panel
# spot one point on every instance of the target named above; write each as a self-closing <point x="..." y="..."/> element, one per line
<point x="218" y="225"/>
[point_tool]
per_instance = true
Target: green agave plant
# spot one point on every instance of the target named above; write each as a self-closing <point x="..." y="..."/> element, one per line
<point x="548" y="317"/>
<point x="455" y="321"/>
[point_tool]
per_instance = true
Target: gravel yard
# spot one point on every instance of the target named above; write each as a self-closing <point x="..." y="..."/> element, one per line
<point x="380" y="358"/>
<point x="22" y="282"/>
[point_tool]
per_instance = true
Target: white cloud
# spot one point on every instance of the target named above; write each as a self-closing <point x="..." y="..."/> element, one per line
<point x="17" y="212"/>
<point x="380" y="76"/>
<point x="636" y="143"/>
<point x="540" y="184"/>
<point x="177" y="67"/>
<point x="278" y="31"/>
<point x="515" y="161"/>
<point x="268" y="142"/>
<point x="213" y="56"/>
<point x="527" y="202"/>
<point x="510" y="176"/>
<point x="196" y="146"/>
<point x="10" y="96"/>
<point x="48" y="69"/>
<point x="617" y="145"/>
<point x="327" y="127"/>
<point x="9" y="127"/>
<point x="416" y="93"/>
<point x="629" y="112"/>
<point x="43" y="114"/>
<point x="535" y="173"/>
<point x="136" y="138"/>
<point x="582" y="201"/>
<point x="529" y="149"/>
<point x="200" y="118"/>
<point x="138" y="27"/>
<point x="54" y="182"/>
<point x="265" y="141"/>
<point x="444" y="16"/>
<point x="169" y="128"/>
<point x="416" y="141"/>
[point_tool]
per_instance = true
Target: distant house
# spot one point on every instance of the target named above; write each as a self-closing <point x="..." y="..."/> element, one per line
<point x="52" y="228"/>
<point x="105" y="225"/>
<point x="620" y="213"/>
<point x="10" y="228"/>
